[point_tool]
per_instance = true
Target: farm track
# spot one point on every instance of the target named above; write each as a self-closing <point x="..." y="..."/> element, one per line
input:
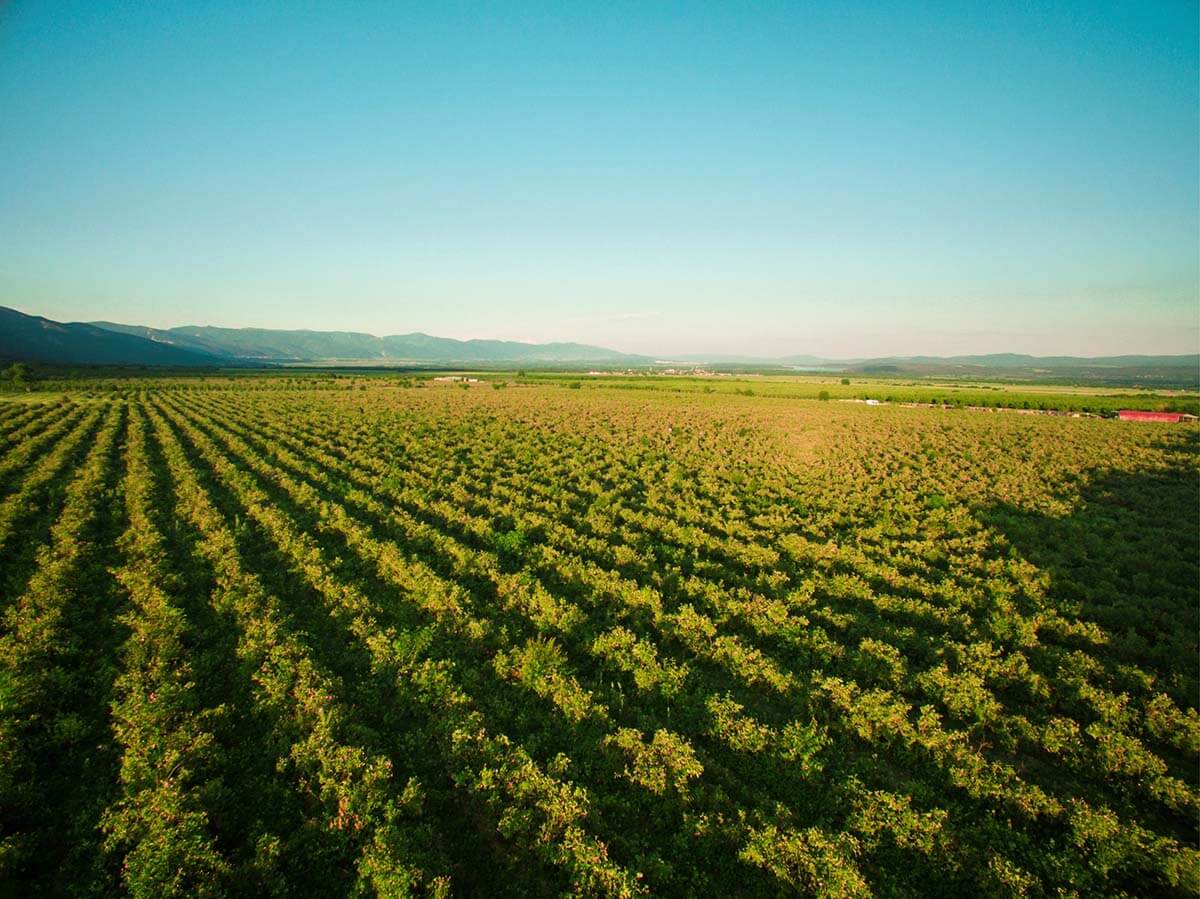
<point x="374" y="651"/>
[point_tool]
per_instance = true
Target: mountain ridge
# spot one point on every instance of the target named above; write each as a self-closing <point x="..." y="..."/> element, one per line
<point x="34" y="338"/>
<point x="307" y="345"/>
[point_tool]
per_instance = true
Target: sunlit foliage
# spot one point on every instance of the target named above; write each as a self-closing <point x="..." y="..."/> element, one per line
<point x="379" y="636"/>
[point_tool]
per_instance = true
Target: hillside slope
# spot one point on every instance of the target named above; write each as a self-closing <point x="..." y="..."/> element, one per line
<point x="32" y="338"/>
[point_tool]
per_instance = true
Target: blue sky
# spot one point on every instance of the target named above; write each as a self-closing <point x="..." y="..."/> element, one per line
<point x="741" y="177"/>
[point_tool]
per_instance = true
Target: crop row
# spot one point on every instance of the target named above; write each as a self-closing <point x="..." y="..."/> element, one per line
<point x="534" y="640"/>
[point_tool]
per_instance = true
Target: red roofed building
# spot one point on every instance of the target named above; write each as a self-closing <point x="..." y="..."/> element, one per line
<point x="1139" y="415"/>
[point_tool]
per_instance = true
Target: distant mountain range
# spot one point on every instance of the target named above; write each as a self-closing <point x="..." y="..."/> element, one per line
<point x="1181" y="372"/>
<point x="992" y="360"/>
<point x="32" y="338"/>
<point x="263" y="345"/>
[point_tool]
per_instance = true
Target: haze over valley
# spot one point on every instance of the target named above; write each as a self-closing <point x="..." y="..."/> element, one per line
<point x="608" y="450"/>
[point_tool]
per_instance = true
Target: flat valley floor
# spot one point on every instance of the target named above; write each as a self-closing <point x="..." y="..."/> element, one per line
<point x="329" y="636"/>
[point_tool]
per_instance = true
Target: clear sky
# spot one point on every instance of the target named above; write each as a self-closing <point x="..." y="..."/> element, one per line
<point x="655" y="177"/>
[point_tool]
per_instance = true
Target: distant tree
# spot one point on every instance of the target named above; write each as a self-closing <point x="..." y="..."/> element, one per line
<point x="845" y="380"/>
<point x="823" y="396"/>
<point x="18" y="373"/>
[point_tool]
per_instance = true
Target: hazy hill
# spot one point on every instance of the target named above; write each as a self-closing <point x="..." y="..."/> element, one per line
<point x="37" y="339"/>
<point x="1177" y="372"/>
<point x="1020" y="360"/>
<point x="1146" y="371"/>
<point x="351" y="346"/>
<point x="169" y="338"/>
<point x="31" y="338"/>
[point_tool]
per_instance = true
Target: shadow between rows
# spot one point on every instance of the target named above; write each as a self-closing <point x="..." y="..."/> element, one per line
<point x="383" y="720"/>
<point x="72" y="759"/>
<point x="622" y="811"/>
<point x="1127" y="560"/>
<point x="248" y="802"/>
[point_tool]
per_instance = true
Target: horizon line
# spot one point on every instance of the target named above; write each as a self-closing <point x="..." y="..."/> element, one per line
<point x="687" y="356"/>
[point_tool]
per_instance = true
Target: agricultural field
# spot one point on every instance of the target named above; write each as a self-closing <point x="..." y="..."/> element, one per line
<point x="1090" y="399"/>
<point x="327" y="636"/>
